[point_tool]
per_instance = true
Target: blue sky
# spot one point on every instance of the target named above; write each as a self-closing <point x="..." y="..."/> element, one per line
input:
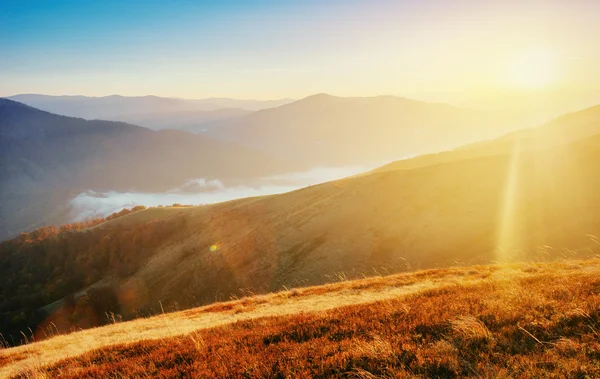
<point x="268" y="49"/>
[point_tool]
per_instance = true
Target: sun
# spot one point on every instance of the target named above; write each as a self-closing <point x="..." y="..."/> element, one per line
<point x="533" y="69"/>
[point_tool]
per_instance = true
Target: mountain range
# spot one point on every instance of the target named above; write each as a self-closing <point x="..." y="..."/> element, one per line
<point x="49" y="159"/>
<point x="329" y="130"/>
<point x="45" y="159"/>
<point x="150" y="111"/>
<point x="337" y="130"/>
<point x="535" y="200"/>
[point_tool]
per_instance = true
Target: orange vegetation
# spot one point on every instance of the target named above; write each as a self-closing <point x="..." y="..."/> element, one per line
<point x="520" y="320"/>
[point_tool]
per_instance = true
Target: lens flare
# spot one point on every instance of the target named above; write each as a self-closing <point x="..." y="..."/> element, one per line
<point x="507" y="234"/>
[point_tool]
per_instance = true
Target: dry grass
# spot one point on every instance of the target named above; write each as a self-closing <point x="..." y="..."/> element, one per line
<point x="404" y="220"/>
<point x="469" y="328"/>
<point x="485" y="321"/>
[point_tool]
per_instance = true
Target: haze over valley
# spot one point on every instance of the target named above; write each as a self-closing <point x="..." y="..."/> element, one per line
<point x="149" y="111"/>
<point x="68" y="166"/>
<point x="316" y="189"/>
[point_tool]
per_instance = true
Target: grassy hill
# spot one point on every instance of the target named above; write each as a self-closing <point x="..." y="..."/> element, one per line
<point x="529" y="204"/>
<point x="565" y="129"/>
<point x="510" y="320"/>
<point x="534" y="205"/>
<point x="534" y="201"/>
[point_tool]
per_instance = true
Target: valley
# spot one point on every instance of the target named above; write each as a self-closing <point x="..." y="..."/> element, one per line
<point x="303" y="189"/>
<point x="532" y="204"/>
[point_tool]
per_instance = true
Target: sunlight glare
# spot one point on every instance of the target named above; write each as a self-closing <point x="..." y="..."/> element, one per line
<point x="507" y="235"/>
<point x="534" y="69"/>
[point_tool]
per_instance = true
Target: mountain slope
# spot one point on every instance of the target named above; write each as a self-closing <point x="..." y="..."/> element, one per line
<point x="327" y="130"/>
<point x="534" y="205"/>
<point x="570" y="127"/>
<point x="422" y="218"/>
<point x="514" y="320"/>
<point x="46" y="156"/>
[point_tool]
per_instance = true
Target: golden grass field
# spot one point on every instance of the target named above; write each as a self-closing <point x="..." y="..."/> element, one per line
<point x="511" y="320"/>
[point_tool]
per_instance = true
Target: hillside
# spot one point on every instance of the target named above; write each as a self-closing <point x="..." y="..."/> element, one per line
<point x="568" y="128"/>
<point x="354" y="130"/>
<point x="38" y="146"/>
<point x="153" y="112"/>
<point x="533" y="205"/>
<point x="518" y="320"/>
<point x="45" y="159"/>
<point x="385" y="189"/>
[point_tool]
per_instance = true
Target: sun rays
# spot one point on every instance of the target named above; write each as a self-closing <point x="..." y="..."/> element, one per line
<point x="506" y="240"/>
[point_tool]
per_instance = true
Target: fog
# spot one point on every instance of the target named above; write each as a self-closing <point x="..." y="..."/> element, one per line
<point x="203" y="191"/>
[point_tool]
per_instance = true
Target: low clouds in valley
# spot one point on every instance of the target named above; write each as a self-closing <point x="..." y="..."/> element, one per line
<point x="199" y="191"/>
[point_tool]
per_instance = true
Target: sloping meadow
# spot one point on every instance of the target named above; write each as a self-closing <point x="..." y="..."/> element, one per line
<point x="535" y="320"/>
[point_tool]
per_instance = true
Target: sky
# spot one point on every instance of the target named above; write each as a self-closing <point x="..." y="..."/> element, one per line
<point x="467" y="51"/>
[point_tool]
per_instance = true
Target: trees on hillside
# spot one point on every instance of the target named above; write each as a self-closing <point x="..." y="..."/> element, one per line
<point x="51" y="230"/>
<point x="45" y="266"/>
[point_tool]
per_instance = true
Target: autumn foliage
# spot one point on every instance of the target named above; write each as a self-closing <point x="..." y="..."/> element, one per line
<point x="538" y="324"/>
<point x="51" y="264"/>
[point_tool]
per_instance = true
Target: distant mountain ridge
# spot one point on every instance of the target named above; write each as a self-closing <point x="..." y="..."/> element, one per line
<point x="332" y="130"/>
<point x="58" y="154"/>
<point x="150" y="111"/>
<point x="45" y="157"/>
